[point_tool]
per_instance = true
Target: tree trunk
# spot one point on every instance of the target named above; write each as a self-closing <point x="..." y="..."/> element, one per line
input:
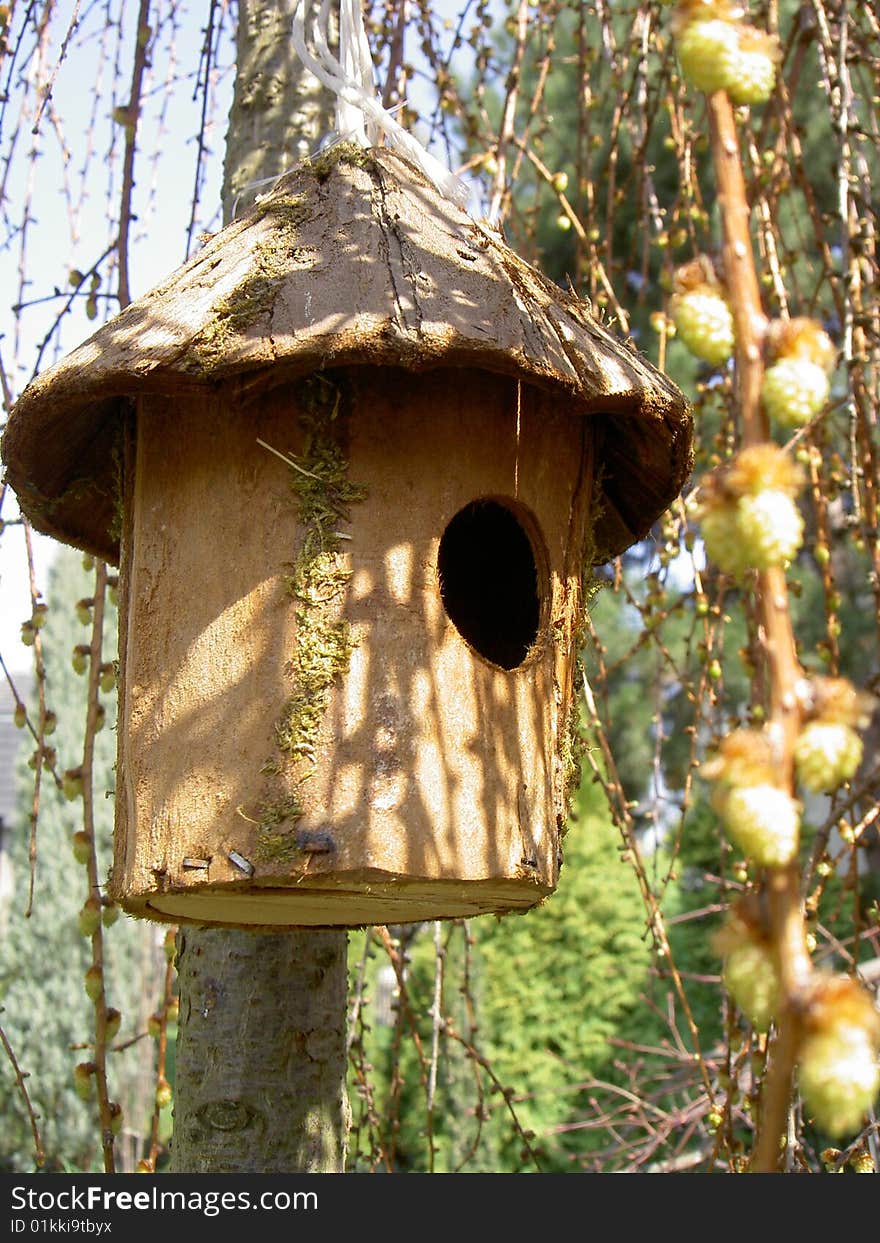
<point x="260" y="1074"/>
<point x="260" y="1053"/>
<point x="279" y="111"/>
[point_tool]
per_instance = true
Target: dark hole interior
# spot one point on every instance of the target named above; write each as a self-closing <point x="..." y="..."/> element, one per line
<point x="489" y="582"/>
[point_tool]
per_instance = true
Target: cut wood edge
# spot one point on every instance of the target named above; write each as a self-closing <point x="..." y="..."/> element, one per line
<point x="342" y="901"/>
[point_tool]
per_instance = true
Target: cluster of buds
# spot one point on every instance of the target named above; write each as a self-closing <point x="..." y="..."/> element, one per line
<point x="84" y="609"/>
<point x="82" y="847"/>
<point x="94" y="983"/>
<point x="89" y="916"/>
<point x="748" y="513"/>
<point x="19" y="716"/>
<point x="719" y="51"/>
<point x="839" y="1055"/>
<point x="84" y="1080"/>
<point x="760" y="817"/>
<point x="749" y="968"/>
<point x="114" y="1020"/>
<point x="829" y="749"/>
<point x="72" y="783"/>
<point x="35" y="622"/>
<point x="858" y="1159"/>
<point x="44" y="755"/>
<point x="95" y="911"/>
<point x="700" y="311"/>
<point x="839" y="1074"/>
<point x="796" y="383"/>
<point x="171" y="1017"/>
<point x="80" y="659"/>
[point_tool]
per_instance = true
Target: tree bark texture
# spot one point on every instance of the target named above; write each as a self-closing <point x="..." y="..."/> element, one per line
<point x="260" y="1072"/>
<point x="279" y="111"/>
<point x="260" y="1053"/>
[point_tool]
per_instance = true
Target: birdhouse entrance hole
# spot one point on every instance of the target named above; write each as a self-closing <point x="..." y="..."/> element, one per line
<point x="492" y="581"/>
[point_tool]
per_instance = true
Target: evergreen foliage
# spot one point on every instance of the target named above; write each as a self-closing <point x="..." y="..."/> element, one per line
<point x="550" y="990"/>
<point x="43" y="959"/>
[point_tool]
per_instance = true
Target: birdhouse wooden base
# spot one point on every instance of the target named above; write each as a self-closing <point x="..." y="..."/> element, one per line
<point x="347" y="640"/>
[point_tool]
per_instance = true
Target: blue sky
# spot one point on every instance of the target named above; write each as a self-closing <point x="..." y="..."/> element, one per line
<point x="67" y="177"/>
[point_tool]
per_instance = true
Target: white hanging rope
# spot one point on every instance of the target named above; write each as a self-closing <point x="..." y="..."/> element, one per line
<point x="360" y="116"/>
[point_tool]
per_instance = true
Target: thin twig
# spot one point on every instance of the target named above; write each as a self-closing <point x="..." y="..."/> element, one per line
<point x="161" y="1056"/>
<point x="88" y="776"/>
<point x="20" y="1076"/>
<point x="40" y="669"/>
<point x="132" y="112"/>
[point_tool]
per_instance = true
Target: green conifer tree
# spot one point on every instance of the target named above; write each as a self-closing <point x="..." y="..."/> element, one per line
<point x="47" y="1015"/>
<point x="547" y="991"/>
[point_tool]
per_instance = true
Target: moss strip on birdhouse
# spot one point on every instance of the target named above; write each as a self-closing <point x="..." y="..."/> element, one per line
<point x="232" y="314"/>
<point x="324" y="496"/>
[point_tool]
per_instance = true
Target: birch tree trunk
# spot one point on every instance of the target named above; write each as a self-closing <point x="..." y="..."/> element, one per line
<point x="260" y="1080"/>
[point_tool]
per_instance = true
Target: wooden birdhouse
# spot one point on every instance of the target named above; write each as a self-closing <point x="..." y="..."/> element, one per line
<point x="353" y="460"/>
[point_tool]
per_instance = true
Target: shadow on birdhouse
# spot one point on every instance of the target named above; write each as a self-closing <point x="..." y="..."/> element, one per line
<point x="352" y="459"/>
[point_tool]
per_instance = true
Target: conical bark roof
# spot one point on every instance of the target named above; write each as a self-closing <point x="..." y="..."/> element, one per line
<point x="353" y="259"/>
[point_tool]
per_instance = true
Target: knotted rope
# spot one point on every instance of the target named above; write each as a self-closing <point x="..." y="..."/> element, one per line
<point x="361" y="117"/>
